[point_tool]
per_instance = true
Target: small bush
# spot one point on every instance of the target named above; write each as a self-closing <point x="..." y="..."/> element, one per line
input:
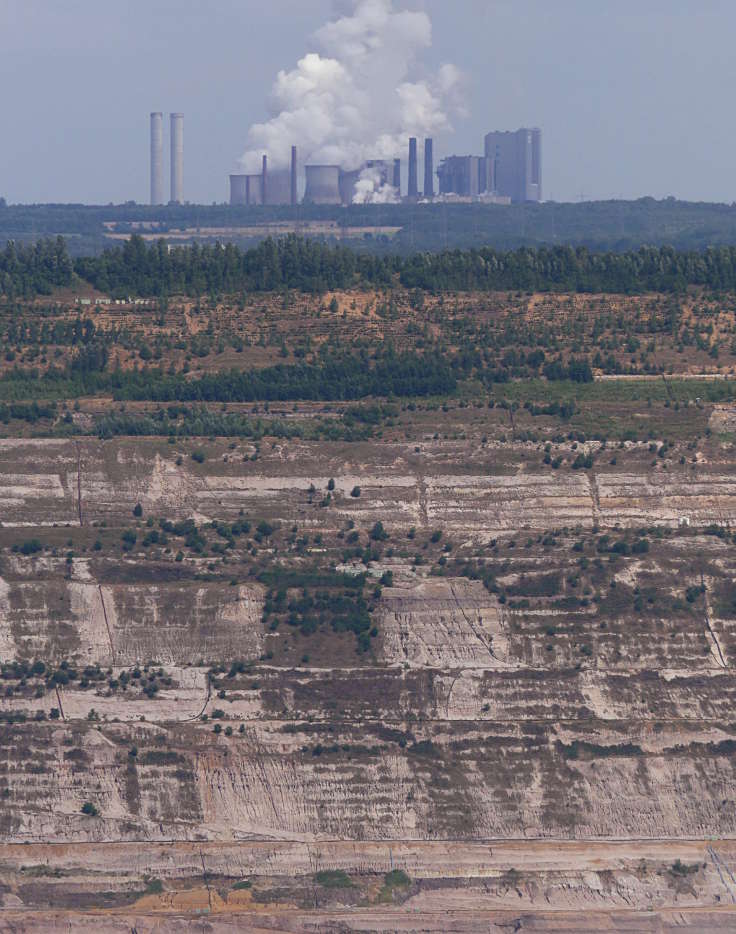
<point x="89" y="809"/>
<point x="355" y="492"/>
<point x="397" y="879"/>
<point x="31" y="547"/>
<point x="333" y="879"/>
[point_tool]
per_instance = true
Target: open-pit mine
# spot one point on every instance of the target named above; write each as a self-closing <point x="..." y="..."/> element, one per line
<point x="453" y="657"/>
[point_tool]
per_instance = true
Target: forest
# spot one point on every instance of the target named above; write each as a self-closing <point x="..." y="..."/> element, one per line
<point x="310" y="266"/>
<point x="307" y="265"/>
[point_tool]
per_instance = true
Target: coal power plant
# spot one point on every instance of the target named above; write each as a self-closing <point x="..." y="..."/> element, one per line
<point x="509" y="172"/>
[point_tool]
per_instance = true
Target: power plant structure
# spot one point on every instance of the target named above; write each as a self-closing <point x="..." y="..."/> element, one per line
<point x="293" y="194"/>
<point x="517" y="163"/>
<point x="428" y="168"/>
<point x="510" y="171"/>
<point x="177" y="158"/>
<point x="466" y="176"/>
<point x="323" y="184"/>
<point x="413" y="191"/>
<point x="268" y="187"/>
<point x="157" y="158"/>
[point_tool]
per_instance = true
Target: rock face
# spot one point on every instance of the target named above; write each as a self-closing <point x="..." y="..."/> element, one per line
<point x="536" y="730"/>
<point x="57" y="482"/>
<point x="443" y="624"/>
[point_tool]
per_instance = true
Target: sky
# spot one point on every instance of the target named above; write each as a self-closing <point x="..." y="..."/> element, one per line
<point x="634" y="97"/>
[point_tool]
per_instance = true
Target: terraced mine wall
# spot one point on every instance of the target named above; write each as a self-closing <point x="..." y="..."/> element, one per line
<point x="418" y="664"/>
<point x="480" y="715"/>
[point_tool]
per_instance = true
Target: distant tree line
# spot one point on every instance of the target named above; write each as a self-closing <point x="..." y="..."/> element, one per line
<point x="136" y="268"/>
<point x="311" y="266"/>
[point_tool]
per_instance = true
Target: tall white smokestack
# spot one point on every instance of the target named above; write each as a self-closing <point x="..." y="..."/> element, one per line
<point x="157" y="158"/>
<point x="177" y="158"/>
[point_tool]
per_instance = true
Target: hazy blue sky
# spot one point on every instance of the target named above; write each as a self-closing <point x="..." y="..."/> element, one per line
<point x="634" y="97"/>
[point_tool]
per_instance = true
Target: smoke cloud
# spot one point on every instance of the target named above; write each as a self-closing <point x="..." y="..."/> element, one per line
<point x="357" y="96"/>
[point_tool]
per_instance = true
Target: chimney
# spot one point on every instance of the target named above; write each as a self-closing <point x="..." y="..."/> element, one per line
<point x="293" y="176"/>
<point x="157" y="158"/>
<point x="264" y="180"/>
<point x="428" y="168"/>
<point x="177" y="158"/>
<point x="397" y="175"/>
<point x="413" y="179"/>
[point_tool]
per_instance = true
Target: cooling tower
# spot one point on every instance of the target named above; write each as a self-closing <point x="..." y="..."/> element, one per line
<point x="264" y="181"/>
<point x="177" y="158"/>
<point x="413" y="175"/>
<point x="348" y="181"/>
<point x="278" y="187"/>
<point x="238" y="189"/>
<point x="428" y="168"/>
<point x="292" y="181"/>
<point x="157" y="158"/>
<point x="323" y="184"/>
<point x="254" y="189"/>
<point x="397" y="175"/>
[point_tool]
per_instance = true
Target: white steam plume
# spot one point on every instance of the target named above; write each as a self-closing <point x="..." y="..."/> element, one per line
<point x="372" y="188"/>
<point x="355" y="99"/>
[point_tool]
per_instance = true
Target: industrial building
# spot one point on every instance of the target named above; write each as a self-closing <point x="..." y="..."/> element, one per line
<point x="510" y="170"/>
<point x="266" y="187"/>
<point x="467" y="176"/>
<point x="517" y="163"/>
